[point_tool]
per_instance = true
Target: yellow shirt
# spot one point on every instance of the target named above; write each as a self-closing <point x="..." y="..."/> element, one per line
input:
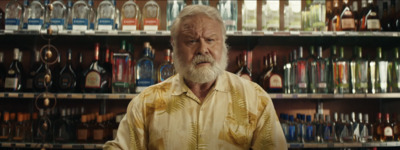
<point x="236" y="114"/>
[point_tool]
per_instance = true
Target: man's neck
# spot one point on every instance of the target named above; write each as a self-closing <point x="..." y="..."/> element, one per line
<point x="200" y="89"/>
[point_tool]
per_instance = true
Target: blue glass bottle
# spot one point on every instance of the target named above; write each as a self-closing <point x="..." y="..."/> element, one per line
<point x="144" y="69"/>
<point x="310" y="130"/>
<point x="292" y="130"/>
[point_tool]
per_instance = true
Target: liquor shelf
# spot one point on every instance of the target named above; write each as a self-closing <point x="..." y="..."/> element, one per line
<point x="50" y="146"/>
<point x="70" y="95"/>
<point x="336" y="96"/>
<point x="229" y="33"/>
<point x="343" y="145"/>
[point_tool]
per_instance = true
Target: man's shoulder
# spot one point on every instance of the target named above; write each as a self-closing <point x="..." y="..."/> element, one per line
<point x="237" y="81"/>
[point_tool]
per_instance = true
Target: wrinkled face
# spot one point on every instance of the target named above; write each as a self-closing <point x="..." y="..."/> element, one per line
<point x="200" y="52"/>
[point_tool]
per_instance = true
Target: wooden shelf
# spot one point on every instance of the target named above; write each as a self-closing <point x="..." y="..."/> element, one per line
<point x="71" y="95"/>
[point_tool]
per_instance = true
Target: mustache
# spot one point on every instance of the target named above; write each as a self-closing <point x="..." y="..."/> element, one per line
<point x="202" y="59"/>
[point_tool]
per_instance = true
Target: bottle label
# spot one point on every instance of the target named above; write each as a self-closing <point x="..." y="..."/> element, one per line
<point x="39" y="81"/>
<point x="150" y="24"/>
<point x="35" y="23"/>
<point x="321" y="85"/>
<point x="166" y="71"/>
<point x="373" y="24"/>
<point x="80" y="24"/>
<point x="105" y="24"/>
<point x="302" y="85"/>
<point x="98" y="134"/>
<point x="11" y="83"/>
<point x="129" y="24"/>
<point x="275" y="81"/>
<point x="309" y="133"/>
<point x="348" y="23"/>
<point x="230" y="22"/>
<point x="93" y="80"/>
<point x="246" y="76"/>
<point x="11" y="24"/>
<point x="57" y="24"/>
<point x="29" y="83"/>
<point x="82" y="134"/>
<point x="292" y="133"/>
<point x="388" y="131"/>
<point x="66" y="81"/>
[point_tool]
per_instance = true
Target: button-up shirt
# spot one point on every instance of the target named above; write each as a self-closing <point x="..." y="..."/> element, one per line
<point x="235" y="114"/>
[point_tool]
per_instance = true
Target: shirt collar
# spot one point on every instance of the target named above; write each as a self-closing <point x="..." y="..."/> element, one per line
<point x="179" y="86"/>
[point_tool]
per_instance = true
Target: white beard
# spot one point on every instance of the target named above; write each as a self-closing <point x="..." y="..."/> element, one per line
<point x="202" y="74"/>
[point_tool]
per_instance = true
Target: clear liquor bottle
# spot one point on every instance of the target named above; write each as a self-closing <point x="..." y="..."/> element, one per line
<point x="121" y="66"/>
<point x="5" y="127"/>
<point x="301" y="73"/>
<point x="67" y="77"/>
<point x="355" y="126"/>
<point x="343" y="69"/>
<point x="366" y="131"/>
<point x="244" y="70"/>
<point x="2" y="72"/>
<point x="93" y="76"/>
<point x="12" y="82"/>
<point x="335" y="20"/>
<point x="287" y="75"/>
<point x="130" y="16"/>
<point x="229" y="11"/>
<point x="13" y="15"/>
<point x="117" y="16"/>
<point x="68" y="19"/>
<point x="294" y="15"/>
<point x="274" y="82"/>
<point x="347" y="18"/>
<point x="332" y="70"/>
<point x="312" y="66"/>
<point x="329" y="130"/>
<point x="151" y="16"/>
<point x="166" y="69"/>
<point x="105" y="15"/>
<point x="80" y="16"/>
<point x="361" y="73"/>
<point x="347" y="132"/>
<point x="293" y="75"/>
<point x="25" y="14"/>
<point x="310" y="130"/>
<point x="318" y="15"/>
<point x="381" y="72"/>
<point x="396" y="71"/>
<point x="306" y="17"/>
<point x="61" y="130"/>
<point x="271" y="15"/>
<point x="36" y="17"/>
<point x="200" y="2"/>
<point x="321" y="72"/>
<point x="144" y="69"/>
<point x="92" y="16"/>
<point x="249" y="15"/>
<point x="387" y="129"/>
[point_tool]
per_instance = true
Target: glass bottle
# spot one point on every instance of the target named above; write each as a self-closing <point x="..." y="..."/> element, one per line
<point x="295" y="15"/>
<point x="285" y="125"/>
<point x="68" y="22"/>
<point x="329" y="130"/>
<point x="387" y="129"/>
<point x="301" y="128"/>
<point x="371" y="20"/>
<point x="310" y="130"/>
<point x="364" y="11"/>
<point x="31" y="75"/>
<point x="80" y="17"/>
<point x="381" y="72"/>
<point x="306" y="17"/>
<point x="361" y="73"/>
<point x="244" y="70"/>
<point x="5" y="127"/>
<point x="318" y="15"/>
<point x="321" y="72"/>
<point x="2" y="22"/>
<point x="274" y="82"/>
<point x="396" y="71"/>
<point x="36" y="17"/>
<point x="312" y="66"/>
<point x="93" y="75"/>
<point x="347" y="132"/>
<point x="61" y="130"/>
<point x="347" y="18"/>
<point x="287" y="75"/>
<point x="2" y="72"/>
<point x="393" y="16"/>
<point x="356" y="14"/>
<point x="266" y="73"/>
<point x="12" y="82"/>
<point x="19" y="130"/>
<point x="121" y="66"/>
<point x="355" y="126"/>
<point x="83" y="130"/>
<point x="13" y="15"/>
<point x="270" y="15"/>
<point x="99" y="134"/>
<point x="336" y="126"/>
<point x="319" y="130"/>
<point x="79" y="74"/>
<point x="292" y="130"/>
<point x="117" y="16"/>
<point x="92" y="15"/>
<point x="378" y="128"/>
<point x="249" y="15"/>
<point x="40" y="83"/>
<point x="107" y="72"/>
<point x="385" y="21"/>
<point x="229" y="11"/>
<point x="293" y="76"/>
<point x="105" y="15"/>
<point x="343" y="78"/>
<point x="130" y="16"/>
<point x="366" y="131"/>
<point x="151" y="16"/>
<point x="200" y="2"/>
<point x="58" y="15"/>
<point x="166" y="69"/>
<point x="301" y="73"/>
<point x="144" y="69"/>
<point x="67" y="77"/>
<point x="25" y="14"/>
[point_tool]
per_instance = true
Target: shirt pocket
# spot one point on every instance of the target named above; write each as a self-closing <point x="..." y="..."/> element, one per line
<point x="236" y="133"/>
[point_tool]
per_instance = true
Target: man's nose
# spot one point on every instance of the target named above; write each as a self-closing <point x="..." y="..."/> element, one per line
<point x="203" y="48"/>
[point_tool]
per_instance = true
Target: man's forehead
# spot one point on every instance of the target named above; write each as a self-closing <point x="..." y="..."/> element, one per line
<point x="196" y="24"/>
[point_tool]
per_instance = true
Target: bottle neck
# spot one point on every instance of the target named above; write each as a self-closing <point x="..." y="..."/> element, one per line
<point x="96" y="53"/>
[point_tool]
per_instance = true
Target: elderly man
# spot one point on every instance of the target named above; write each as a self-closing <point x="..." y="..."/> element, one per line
<point x="203" y="106"/>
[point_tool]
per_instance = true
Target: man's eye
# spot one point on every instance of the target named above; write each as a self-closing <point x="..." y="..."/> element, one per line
<point x="210" y="40"/>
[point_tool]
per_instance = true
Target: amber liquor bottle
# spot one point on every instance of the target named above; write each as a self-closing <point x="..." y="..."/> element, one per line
<point x="83" y="130"/>
<point x="387" y="129"/>
<point x="347" y="18"/>
<point x="378" y="128"/>
<point x="274" y="83"/>
<point x="99" y="131"/>
<point x="93" y="81"/>
<point x="244" y="71"/>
